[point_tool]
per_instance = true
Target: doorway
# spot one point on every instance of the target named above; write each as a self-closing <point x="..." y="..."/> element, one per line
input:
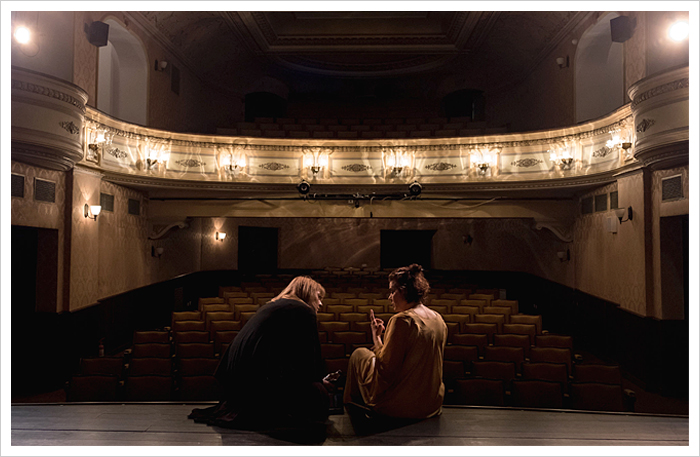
<point x="399" y="248"/>
<point x="257" y="249"/>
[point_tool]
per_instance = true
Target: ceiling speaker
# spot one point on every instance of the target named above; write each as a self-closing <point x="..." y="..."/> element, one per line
<point x="97" y="33"/>
<point x="622" y="28"/>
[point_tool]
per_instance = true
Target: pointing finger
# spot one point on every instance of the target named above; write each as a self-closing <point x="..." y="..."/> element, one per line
<point x="371" y="315"/>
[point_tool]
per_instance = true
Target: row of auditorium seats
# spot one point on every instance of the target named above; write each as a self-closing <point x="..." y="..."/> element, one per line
<point x="362" y="128"/>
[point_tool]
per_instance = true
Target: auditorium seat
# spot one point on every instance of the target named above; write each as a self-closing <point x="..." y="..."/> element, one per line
<point x="222" y="338"/>
<point x="198" y="388"/>
<point x="453" y="328"/>
<point x="198" y="366"/>
<point x="505" y="311"/>
<point x="465" y="354"/>
<point x="497" y="319"/>
<point x="344" y="295"/>
<point x="461" y="319"/>
<point x="469" y="310"/>
<point x="234" y="301"/>
<point x="478" y="303"/>
<point x="604" y="374"/>
<point x="150" y="366"/>
<point x="361" y="327"/>
<point x="322" y="337"/>
<point x="555" y="341"/>
<point x="233" y="294"/>
<point x="190" y="337"/>
<point x="242" y="308"/>
<point x="102" y="366"/>
<point x="535" y="320"/>
<point x="438" y="309"/>
<point x="372" y="296"/>
<point x="209" y="300"/>
<point x="378" y="309"/>
<point x="513" y="340"/>
<point x="260" y="298"/>
<point x="324" y="317"/>
<point x="97" y="387"/>
<point x="505" y="354"/>
<point x="194" y="350"/>
<point x="148" y="388"/>
<point x="153" y="336"/>
<point x="158" y="350"/>
<point x="480" y="392"/>
<point x="453" y="370"/>
<point x="488" y="298"/>
<point x="522" y="329"/>
<point x="483" y="328"/>
<point x="552" y="355"/>
<point x="224" y="289"/>
<point x="547" y="371"/>
<point x="246" y="316"/>
<point x="218" y="316"/>
<point x="353" y="317"/>
<point x="222" y="326"/>
<point x="333" y="326"/>
<point x="494" y="369"/>
<point x="185" y="326"/>
<point x="478" y="340"/>
<point x="513" y="304"/>
<point x="186" y="316"/>
<point x="349" y="338"/>
<point x="337" y="309"/>
<point x="593" y="396"/>
<point x="536" y="394"/>
<point x="453" y="298"/>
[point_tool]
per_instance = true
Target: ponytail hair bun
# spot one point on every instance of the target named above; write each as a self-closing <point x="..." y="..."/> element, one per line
<point x="411" y="282"/>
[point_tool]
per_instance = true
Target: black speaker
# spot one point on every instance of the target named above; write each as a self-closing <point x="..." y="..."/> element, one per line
<point x="97" y="33"/>
<point x="622" y="28"/>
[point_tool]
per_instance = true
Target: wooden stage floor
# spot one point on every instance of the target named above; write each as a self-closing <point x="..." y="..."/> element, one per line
<point x="166" y="424"/>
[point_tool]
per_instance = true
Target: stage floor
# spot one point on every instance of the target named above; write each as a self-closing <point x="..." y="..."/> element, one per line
<point x="166" y="424"/>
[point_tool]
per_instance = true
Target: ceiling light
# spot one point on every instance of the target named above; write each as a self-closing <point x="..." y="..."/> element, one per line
<point x="679" y="31"/>
<point x="23" y="35"/>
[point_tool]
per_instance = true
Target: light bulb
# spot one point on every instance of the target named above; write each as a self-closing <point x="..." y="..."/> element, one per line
<point x="95" y="210"/>
<point x="679" y="31"/>
<point x="23" y="35"/>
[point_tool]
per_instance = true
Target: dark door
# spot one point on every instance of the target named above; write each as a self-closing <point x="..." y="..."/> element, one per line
<point x="404" y="247"/>
<point x="257" y="249"/>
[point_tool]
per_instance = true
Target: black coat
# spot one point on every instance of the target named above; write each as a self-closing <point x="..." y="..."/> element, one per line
<point x="275" y="359"/>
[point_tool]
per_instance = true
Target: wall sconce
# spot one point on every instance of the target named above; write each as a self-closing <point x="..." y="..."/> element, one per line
<point x="232" y="160"/>
<point x="621" y="139"/>
<point x="397" y="161"/>
<point x="162" y="65"/>
<point x="679" y="31"/>
<point x="98" y="136"/>
<point x="561" y="155"/>
<point x="157" y="153"/>
<point x="156" y="252"/>
<point x="220" y="236"/>
<point x="484" y="160"/>
<point x="563" y="62"/>
<point x="622" y="212"/>
<point x="564" y="256"/>
<point x="315" y="159"/>
<point x="92" y="211"/>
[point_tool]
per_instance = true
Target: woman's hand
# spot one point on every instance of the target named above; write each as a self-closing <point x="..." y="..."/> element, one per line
<point x="377" y="326"/>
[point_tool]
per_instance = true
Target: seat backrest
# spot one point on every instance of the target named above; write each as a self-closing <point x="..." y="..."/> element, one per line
<point x="330" y="327"/>
<point x="494" y="369"/>
<point x="183" y="326"/>
<point x="219" y="316"/>
<point x="222" y="338"/>
<point x="152" y="336"/>
<point x="209" y="300"/>
<point x="552" y="355"/>
<point x="522" y="329"/>
<point x="535" y="320"/>
<point x="547" y="371"/>
<point x="480" y="392"/>
<point x="187" y="316"/>
<point x="102" y="366"/>
<point x="505" y="354"/>
<point x="555" y="341"/>
<point x="461" y="319"/>
<point x="353" y="317"/>
<point x="502" y="310"/>
<point x="513" y="304"/>
<point x="194" y="336"/>
<point x="594" y="396"/>
<point x="453" y="370"/>
<point x="233" y="301"/>
<point x="197" y="366"/>
<point x="342" y="295"/>
<point x="148" y="388"/>
<point x="438" y="309"/>
<point x="355" y="302"/>
<point x="473" y="302"/>
<point x="487" y="297"/>
<point x="243" y="308"/>
<point x="150" y="366"/>
<point x="221" y="326"/>
<point x="224" y="289"/>
<point x="234" y="294"/>
<point x="478" y="340"/>
<point x="468" y="310"/>
<point x="604" y="374"/>
<point x="498" y="319"/>
<point x="324" y="317"/>
<point x="194" y="350"/>
<point x="485" y="328"/>
<point x="159" y="350"/>
<point x="461" y="353"/>
<point x="337" y="309"/>
<point x="536" y="394"/>
<point x="453" y="297"/>
<point x="513" y="340"/>
<point x="366" y="309"/>
<point x="372" y="296"/>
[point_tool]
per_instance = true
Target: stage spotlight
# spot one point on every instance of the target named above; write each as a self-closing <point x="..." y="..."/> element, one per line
<point x="303" y="187"/>
<point x="415" y="188"/>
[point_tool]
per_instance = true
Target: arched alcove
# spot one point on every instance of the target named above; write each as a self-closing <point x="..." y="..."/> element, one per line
<point x="122" y="82"/>
<point x="599" y="72"/>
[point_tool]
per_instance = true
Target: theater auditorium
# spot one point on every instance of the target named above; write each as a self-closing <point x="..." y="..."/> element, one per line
<point x="172" y="171"/>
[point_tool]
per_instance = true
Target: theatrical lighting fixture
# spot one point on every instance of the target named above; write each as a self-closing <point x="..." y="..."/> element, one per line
<point x="560" y="154"/>
<point x="679" y="31"/>
<point x="621" y="212"/>
<point x="220" y="236"/>
<point x="22" y="35"/>
<point x="303" y="187"/>
<point x="415" y="188"/>
<point x="92" y="211"/>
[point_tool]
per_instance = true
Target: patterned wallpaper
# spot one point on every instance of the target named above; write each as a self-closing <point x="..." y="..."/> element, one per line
<point x="311" y="243"/>
<point x="28" y="212"/>
<point x="182" y="252"/>
<point x="84" y="57"/>
<point x="612" y="266"/>
<point x="635" y="52"/>
<point x="124" y="250"/>
<point x="663" y="209"/>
